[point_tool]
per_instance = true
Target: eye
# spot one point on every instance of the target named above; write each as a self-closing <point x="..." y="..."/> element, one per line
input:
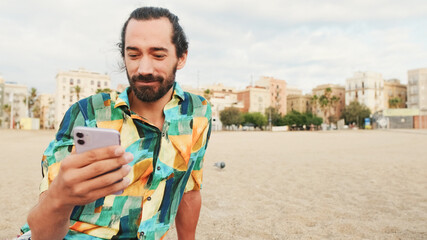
<point x="159" y="56"/>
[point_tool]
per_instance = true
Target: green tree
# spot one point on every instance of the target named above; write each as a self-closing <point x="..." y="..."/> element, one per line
<point x="207" y="94"/>
<point x="230" y="116"/>
<point x="7" y="109"/>
<point x="395" y="102"/>
<point x="104" y="90"/>
<point x="313" y="119"/>
<point x="77" y="90"/>
<point x="333" y="102"/>
<point x="297" y="120"/>
<point x="256" y="118"/>
<point x="32" y="99"/>
<point x="355" y="113"/>
<point x="276" y="116"/>
<point x="314" y="101"/>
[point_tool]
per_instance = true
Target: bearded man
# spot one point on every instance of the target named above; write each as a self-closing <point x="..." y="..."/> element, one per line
<point x="136" y="190"/>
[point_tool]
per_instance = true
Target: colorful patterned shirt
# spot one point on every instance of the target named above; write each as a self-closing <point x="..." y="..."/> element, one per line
<point x="166" y="164"/>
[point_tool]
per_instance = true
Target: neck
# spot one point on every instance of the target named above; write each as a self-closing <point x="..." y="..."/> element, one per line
<point x="152" y="111"/>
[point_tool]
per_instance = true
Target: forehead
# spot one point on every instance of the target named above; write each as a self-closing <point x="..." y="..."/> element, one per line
<point x="153" y="32"/>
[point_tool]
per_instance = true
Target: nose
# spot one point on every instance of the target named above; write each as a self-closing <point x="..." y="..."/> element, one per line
<point x="145" y="66"/>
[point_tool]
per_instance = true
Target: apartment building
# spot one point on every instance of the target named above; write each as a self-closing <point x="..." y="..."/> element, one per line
<point x="15" y="96"/>
<point x="1" y="101"/>
<point x="47" y="110"/>
<point x="277" y="92"/>
<point x="417" y="90"/>
<point x="299" y="103"/>
<point x="393" y="90"/>
<point x="366" y="88"/>
<point x="293" y="91"/>
<point x="74" y="85"/>
<point x="254" y="99"/>
<point x="337" y="108"/>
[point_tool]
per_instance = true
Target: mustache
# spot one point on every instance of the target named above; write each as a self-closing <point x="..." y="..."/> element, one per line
<point x="147" y="78"/>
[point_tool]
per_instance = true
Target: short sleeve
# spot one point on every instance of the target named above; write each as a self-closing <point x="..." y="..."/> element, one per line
<point x="60" y="147"/>
<point x="196" y="177"/>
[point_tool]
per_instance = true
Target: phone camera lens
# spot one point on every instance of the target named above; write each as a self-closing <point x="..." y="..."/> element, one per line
<point x="79" y="134"/>
<point x="81" y="142"/>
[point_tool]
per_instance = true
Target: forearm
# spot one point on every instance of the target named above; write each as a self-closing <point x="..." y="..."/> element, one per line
<point x="47" y="220"/>
<point x="188" y="215"/>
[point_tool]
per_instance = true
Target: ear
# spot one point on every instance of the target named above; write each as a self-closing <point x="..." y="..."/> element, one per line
<point x="182" y="60"/>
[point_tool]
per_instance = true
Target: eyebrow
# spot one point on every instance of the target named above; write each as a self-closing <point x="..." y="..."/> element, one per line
<point x="132" y="48"/>
<point x="154" y="49"/>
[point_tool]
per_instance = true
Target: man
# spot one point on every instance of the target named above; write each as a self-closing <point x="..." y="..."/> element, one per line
<point x="136" y="190"/>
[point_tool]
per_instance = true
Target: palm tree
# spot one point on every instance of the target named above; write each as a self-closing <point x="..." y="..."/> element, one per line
<point x="207" y="94"/>
<point x="77" y="89"/>
<point x="7" y="108"/>
<point x="333" y="103"/>
<point x="105" y="90"/>
<point x="32" y="98"/>
<point x="314" y="101"/>
<point x="324" y="105"/>
<point x="395" y="102"/>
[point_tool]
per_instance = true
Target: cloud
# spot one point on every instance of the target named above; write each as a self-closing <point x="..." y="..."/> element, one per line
<point x="306" y="43"/>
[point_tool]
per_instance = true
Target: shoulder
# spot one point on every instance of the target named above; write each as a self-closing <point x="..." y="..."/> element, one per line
<point x="98" y="101"/>
<point x="197" y="105"/>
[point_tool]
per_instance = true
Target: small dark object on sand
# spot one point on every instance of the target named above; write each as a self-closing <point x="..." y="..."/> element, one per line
<point x="220" y="165"/>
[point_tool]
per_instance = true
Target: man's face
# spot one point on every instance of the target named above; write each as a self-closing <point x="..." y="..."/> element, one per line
<point x="150" y="58"/>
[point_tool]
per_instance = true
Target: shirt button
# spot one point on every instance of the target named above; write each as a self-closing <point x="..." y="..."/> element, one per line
<point x="163" y="134"/>
<point x="142" y="233"/>
<point x="149" y="199"/>
<point x="158" y="168"/>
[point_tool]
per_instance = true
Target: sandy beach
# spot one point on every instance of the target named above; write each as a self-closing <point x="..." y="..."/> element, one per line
<point x="283" y="185"/>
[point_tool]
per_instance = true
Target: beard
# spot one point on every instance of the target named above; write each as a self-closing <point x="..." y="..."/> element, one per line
<point x="151" y="93"/>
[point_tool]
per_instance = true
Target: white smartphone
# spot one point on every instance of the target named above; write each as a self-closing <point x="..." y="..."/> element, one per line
<point x="87" y="138"/>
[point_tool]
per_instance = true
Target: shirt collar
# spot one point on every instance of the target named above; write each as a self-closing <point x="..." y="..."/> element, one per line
<point x="123" y="98"/>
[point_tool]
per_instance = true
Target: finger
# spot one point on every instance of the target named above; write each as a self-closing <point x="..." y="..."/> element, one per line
<point x="101" y="167"/>
<point x="102" y="181"/>
<point x="86" y="158"/>
<point x="108" y="190"/>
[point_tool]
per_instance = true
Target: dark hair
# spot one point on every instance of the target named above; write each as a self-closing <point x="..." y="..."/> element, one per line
<point x="148" y="13"/>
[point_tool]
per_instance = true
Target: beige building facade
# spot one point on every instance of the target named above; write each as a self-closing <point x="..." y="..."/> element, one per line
<point x="74" y="85"/>
<point x="47" y="111"/>
<point x="15" y="96"/>
<point x="254" y="99"/>
<point x="393" y="89"/>
<point x="366" y="88"/>
<point x="293" y="91"/>
<point x="1" y="101"/>
<point x="277" y="92"/>
<point x="299" y="103"/>
<point x="336" y="110"/>
<point x="417" y="90"/>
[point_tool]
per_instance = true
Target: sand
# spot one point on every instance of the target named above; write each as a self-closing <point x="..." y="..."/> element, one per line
<point x="288" y="185"/>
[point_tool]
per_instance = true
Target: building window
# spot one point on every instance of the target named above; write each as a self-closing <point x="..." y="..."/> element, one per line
<point x="99" y="84"/>
<point x="105" y="84"/>
<point x="78" y="81"/>
<point x="91" y="82"/>
<point x="71" y="81"/>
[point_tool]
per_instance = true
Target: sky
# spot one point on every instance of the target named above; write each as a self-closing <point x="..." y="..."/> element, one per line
<point x="305" y="42"/>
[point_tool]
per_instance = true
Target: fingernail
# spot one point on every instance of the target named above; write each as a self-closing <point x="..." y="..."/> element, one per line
<point x="119" y="151"/>
<point x="119" y="192"/>
<point x="128" y="157"/>
<point x="126" y="181"/>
